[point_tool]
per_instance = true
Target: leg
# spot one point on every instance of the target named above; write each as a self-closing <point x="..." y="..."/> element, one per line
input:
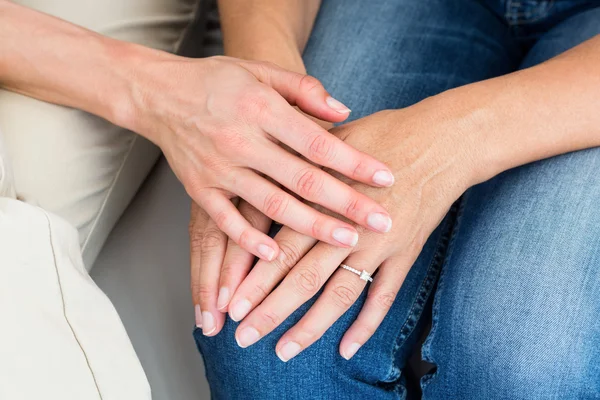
<point x="395" y="53"/>
<point x="74" y="164"/>
<point x="61" y="336"/>
<point x="515" y="316"/>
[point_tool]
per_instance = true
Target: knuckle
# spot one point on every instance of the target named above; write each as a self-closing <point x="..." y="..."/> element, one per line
<point x="253" y="105"/>
<point x="309" y="183"/>
<point x="352" y="208"/>
<point x="344" y="295"/>
<point x="309" y="83"/>
<point x="196" y="238"/>
<point x="260" y="291"/>
<point x="211" y="240"/>
<point x="365" y="330"/>
<point x="317" y="227"/>
<point x="360" y="169"/>
<point x="245" y="238"/>
<point x="275" y="204"/>
<point x="321" y="149"/>
<point x="270" y="318"/>
<point x="289" y="253"/>
<point x="202" y="291"/>
<point x="222" y="220"/>
<point x="307" y="281"/>
<point x="384" y="299"/>
<point x="254" y="217"/>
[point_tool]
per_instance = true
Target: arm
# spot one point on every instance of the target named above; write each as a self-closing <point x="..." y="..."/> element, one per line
<point x="456" y="139"/>
<point x="268" y="30"/>
<point x="217" y="120"/>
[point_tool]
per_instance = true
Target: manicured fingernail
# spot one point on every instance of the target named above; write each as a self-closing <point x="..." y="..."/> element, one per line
<point x="380" y="222"/>
<point x="247" y="336"/>
<point x="208" y="322"/>
<point x="350" y="351"/>
<point x="288" y="351"/>
<point x="345" y="236"/>
<point x="266" y="252"/>
<point x="383" y="178"/>
<point x="223" y="298"/>
<point x="198" y="316"/>
<point x="239" y="309"/>
<point x="336" y="105"/>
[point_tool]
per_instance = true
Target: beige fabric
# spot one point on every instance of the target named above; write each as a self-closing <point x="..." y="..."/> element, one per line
<point x="74" y="164"/>
<point x="61" y="338"/>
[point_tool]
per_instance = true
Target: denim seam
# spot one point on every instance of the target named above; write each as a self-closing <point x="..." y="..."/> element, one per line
<point x="64" y="305"/>
<point x="424" y="291"/>
<point x="426" y="348"/>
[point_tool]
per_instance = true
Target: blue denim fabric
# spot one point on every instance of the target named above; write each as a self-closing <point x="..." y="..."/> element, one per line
<point x="513" y="271"/>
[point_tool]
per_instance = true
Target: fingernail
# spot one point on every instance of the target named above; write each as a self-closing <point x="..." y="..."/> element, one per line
<point x="247" y="336"/>
<point x="288" y="351"/>
<point x="336" y="105"/>
<point x="223" y="298"/>
<point x="351" y="351"/>
<point x="383" y="178"/>
<point x="198" y="316"/>
<point x="239" y="309"/>
<point x="208" y="322"/>
<point x="380" y="222"/>
<point x="345" y="236"/>
<point x="266" y="252"/>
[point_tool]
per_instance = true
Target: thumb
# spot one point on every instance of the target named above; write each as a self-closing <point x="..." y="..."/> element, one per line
<point x="300" y="90"/>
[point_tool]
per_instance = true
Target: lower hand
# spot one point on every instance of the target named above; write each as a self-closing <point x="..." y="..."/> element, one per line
<point x="429" y="147"/>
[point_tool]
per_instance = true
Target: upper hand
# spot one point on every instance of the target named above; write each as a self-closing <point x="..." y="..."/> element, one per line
<point x="433" y="165"/>
<point x="219" y="122"/>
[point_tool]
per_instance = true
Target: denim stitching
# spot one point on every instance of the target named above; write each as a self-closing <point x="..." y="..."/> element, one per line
<point x="64" y="305"/>
<point x="426" y="348"/>
<point x="423" y="294"/>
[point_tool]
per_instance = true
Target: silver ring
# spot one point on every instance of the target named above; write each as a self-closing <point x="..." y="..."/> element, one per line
<point x="364" y="275"/>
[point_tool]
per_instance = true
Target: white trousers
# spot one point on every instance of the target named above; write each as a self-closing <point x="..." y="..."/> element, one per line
<point x="65" y="178"/>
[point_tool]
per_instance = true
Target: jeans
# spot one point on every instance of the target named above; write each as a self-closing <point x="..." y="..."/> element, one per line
<point x="512" y="273"/>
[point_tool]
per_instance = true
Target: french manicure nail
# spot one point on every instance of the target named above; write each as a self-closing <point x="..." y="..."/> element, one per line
<point x="350" y="351"/>
<point x="198" y="316"/>
<point x="380" y="222"/>
<point x="247" y="336"/>
<point x="288" y="351"/>
<point x="223" y="298"/>
<point x="240" y="309"/>
<point x="383" y="178"/>
<point x="336" y="105"/>
<point x="208" y="322"/>
<point x="266" y="252"/>
<point x="345" y="236"/>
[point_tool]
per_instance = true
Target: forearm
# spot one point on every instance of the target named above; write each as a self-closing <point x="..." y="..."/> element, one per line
<point x="55" y="61"/>
<point x="540" y="112"/>
<point x="268" y="30"/>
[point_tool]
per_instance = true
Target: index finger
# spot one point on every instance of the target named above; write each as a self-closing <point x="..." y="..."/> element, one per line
<point x="302" y="283"/>
<point x="323" y="148"/>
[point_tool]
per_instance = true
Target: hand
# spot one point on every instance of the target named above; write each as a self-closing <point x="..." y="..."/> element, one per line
<point x="219" y="123"/>
<point x="429" y="148"/>
<point x="219" y="265"/>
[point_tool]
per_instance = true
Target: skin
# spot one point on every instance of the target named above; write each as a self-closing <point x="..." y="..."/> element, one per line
<point x="437" y="149"/>
<point x="219" y="122"/>
<point x="263" y="30"/>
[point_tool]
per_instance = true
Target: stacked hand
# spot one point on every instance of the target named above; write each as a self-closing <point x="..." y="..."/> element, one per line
<point x="430" y="156"/>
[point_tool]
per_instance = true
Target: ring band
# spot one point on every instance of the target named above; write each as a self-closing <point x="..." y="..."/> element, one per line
<point x="364" y="275"/>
